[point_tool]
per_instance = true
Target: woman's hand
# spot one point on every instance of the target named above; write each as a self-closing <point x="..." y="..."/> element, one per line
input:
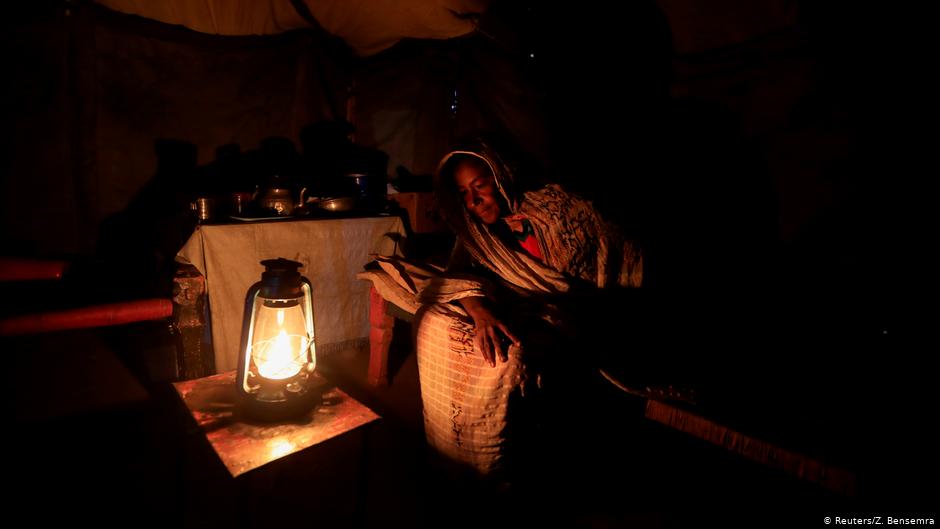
<point x="488" y="328"/>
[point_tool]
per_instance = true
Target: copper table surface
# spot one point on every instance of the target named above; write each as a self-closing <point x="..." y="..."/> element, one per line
<point x="244" y="446"/>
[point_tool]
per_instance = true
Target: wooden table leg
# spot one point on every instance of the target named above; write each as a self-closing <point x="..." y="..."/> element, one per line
<point x="380" y="338"/>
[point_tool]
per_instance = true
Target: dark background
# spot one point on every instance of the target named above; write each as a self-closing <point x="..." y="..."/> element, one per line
<point x="768" y="155"/>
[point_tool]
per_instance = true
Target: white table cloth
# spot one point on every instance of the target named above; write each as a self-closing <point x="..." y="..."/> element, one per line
<point x="332" y="252"/>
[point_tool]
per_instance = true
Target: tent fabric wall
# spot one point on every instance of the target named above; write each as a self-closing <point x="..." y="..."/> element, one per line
<point x="91" y="94"/>
<point x="116" y="85"/>
<point x="368" y="26"/>
<point x="402" y="106"/>
<point x="416" y="101"/>
<point x="217" y="17"/>
<point x="210" y="95"/>
<point x="495" y="92"/>
<point x="42" y="211"/>
<point x="701" y="25"/>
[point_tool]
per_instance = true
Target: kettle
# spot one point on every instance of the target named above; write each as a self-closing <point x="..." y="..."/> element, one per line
<point x="277" y="196"/>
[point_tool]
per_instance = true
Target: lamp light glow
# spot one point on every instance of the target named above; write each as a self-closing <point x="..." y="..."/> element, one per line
<point x="278" y="347"/>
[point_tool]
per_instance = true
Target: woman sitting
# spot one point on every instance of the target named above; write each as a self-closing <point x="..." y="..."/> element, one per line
<point x="523" y="289"/>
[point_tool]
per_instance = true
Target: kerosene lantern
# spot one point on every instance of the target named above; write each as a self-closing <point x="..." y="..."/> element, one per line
<point x="277" y="357"/>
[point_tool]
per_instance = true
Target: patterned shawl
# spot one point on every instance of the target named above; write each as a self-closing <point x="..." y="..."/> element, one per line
<point x="576" y="242"/>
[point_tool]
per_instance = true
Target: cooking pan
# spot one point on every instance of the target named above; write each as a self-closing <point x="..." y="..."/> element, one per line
<point x="338" y="204"/>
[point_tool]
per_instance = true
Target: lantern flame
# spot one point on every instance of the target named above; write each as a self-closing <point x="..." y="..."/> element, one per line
<point x="278" y="360"/>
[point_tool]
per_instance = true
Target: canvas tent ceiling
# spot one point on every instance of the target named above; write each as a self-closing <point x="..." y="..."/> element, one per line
<point x="368" y="26"/>
<point x="122" y="82"/>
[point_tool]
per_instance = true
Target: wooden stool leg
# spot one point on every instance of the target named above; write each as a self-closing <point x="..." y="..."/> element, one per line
<point x="380" y="339"/>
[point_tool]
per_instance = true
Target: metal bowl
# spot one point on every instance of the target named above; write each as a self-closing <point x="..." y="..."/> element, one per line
<point x="339" y="204"/>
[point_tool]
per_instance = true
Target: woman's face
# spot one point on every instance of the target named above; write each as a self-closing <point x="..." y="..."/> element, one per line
<point x="478" y="191"/>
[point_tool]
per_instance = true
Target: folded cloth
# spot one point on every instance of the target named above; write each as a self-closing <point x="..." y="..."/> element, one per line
<point x="409" y="284"/>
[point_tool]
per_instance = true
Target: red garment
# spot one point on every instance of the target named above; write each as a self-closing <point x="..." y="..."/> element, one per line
<point x="525" y="234"/>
